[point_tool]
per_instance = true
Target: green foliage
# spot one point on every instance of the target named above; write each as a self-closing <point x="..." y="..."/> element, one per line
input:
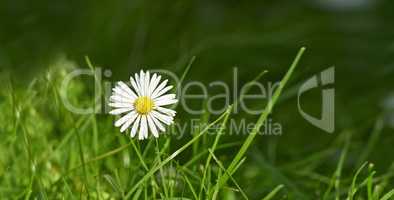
<point x="51" y="153"/>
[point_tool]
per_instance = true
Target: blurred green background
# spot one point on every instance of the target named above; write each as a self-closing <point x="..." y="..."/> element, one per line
<point x="355" y="36"/>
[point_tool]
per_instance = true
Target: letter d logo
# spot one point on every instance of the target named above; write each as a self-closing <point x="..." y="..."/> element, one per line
<point x="327" y="121"/>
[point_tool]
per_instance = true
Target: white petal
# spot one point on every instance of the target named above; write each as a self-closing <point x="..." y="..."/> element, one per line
<point x="133" y="130"/>
<point x="152" y="126"/>
<point x="166" y="111"/>
<point x="163" y="91"/>
<point x="165" y="97"/>
<point x="118" y="91"/>
<point x="121" y="99"/>
<point x="151" y="87"/>
<point x="164" y="118"/>
<point x="134" y="85"/>
<point x="165" y="102"/>
<point x="120" y="111"/>
<point x="154" y="84"/>
<point x="121" y="105"/>
<point x="144" y="128"/>
<point x="128" y="122"/>
<point x="157" y="123"/>
<point x="127" y="89"/>
<point x="147" y="81"/>
<point x="138" y="85"/>
<point x="160" y="87"/>
<point x="123" y="119"/>
<point x="142" y="82"/>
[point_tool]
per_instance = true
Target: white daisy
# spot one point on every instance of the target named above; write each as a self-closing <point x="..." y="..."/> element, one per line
<point x="142" y="105"/>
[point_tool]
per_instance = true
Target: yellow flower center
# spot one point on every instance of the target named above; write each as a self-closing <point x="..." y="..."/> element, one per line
<point x="143" y="105"/>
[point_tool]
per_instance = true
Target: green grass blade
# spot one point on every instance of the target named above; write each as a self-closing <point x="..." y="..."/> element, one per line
<point x="222" y="127"/>
<point x="372" y="140"/>
<point x="336" y="178"/>
<point x="189" y="184"/>
<point x="185" y="73"/>
<point x="114" y="184"/>
<point x="215" y="143"/>
<point x="370" y="181"/>
<point x="175" y="154"/>
<point x="205" y="151"/>
<point x="216" y="189"/>
<point x="228" y="174"/>
<point x="102" y="156"/>
<point x="68" y="190"/>
<point x="261" y="119"/>
<point x="388" y="196"/>
<point x="82" y="157"/>
<point x="161" y="172"/>
<point x="353" y="188"/>
<point x="272" y="194"/>
<point x="137" y="151"/>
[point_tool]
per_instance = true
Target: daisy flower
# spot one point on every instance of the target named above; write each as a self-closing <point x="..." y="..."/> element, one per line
<point x="141" y="105"/>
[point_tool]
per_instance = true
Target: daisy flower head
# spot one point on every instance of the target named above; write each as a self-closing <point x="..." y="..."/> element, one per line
<point x="141" y="106"/>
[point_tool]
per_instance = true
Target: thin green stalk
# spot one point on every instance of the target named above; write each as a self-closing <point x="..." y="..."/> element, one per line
<point x="216" y="188"/>
<point x="114" y="184"/>
<point x="388" y="196"/>
<point x="370" y="181"/>
<point x="163" y="180"/>
<point x="175" y="154"/>
<point x="100" y="157"/>
<point x="205" y="151"/>
<point x="222" y="127"/>
<point x="94" y="121"/>
<point x="185" y="73"/>
<point x="82" y="160"/>
<point x="353" y="188"/>
<point x="272" y="194"/>
<point x="228" y="174"/>
<point x="68" y="190"/>
<point x="137" y="151"/>
<point x="215" y="143"/>
<point x="261" y="120"/>
<point x="372" y="140"/>
<point x="336" y="178"/>
<point x="189" y="184"/>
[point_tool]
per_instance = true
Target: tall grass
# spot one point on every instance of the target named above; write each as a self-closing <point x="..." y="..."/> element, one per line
<point x="49" y="152"/>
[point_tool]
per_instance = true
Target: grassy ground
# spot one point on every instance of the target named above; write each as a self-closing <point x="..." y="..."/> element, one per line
<point x="51" y="153"/>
